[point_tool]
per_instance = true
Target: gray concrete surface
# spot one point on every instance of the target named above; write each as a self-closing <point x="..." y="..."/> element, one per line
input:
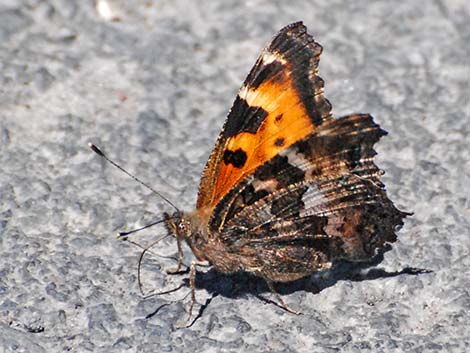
<point x="152" y="88"/>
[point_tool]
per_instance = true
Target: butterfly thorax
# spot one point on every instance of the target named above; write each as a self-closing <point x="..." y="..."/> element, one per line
<point x="192" y="227"/>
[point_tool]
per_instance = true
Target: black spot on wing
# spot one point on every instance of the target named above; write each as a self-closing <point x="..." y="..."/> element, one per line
<point x="250" y="196"/>
<point x="281" y="170"/>
<point x="264" y="72"/>
<point x="243" y="118"/>
<point x="279" y="142"/>
<point x="236" y="158"/>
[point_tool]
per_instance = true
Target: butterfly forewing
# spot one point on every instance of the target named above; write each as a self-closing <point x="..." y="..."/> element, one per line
<point x="280" y="103"/>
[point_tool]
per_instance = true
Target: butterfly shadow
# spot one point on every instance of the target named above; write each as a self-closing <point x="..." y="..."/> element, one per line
<point x="242" y="284"/>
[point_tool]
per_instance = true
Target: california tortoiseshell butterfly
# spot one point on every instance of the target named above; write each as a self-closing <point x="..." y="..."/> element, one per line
<point x="288" y="188"/>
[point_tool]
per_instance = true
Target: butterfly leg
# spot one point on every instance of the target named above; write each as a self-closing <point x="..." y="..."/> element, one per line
<point x="177" y="269"/>
<point x="192" y="284"/>
<point x="280" y="302"/>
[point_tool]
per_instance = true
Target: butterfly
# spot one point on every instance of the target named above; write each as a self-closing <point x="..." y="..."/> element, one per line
<point x="288" y="188"/>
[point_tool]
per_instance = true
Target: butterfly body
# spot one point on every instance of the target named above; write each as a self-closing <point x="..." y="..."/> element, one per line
<point x="207" y="246"/>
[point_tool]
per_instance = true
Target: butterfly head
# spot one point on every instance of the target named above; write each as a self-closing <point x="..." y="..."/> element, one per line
<point x="192" y="228"/>
<point x="178" y="224"/>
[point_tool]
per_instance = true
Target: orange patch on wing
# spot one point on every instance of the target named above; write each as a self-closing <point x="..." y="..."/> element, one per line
<point x="287" y="119"/>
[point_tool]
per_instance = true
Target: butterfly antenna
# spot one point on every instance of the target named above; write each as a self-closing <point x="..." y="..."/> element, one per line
<point x="101" y="154"/>
<point x="123" y="235"/>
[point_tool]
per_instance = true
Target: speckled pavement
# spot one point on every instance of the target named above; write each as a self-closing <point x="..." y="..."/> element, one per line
<point x="151" y="82"/>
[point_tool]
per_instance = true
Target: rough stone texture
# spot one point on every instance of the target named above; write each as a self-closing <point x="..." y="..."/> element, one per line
<point x="152" y="88"/>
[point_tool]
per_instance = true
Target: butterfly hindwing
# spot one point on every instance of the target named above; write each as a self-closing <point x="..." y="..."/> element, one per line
<point x="280" y="103"/>
<point x="322" y="195"/>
